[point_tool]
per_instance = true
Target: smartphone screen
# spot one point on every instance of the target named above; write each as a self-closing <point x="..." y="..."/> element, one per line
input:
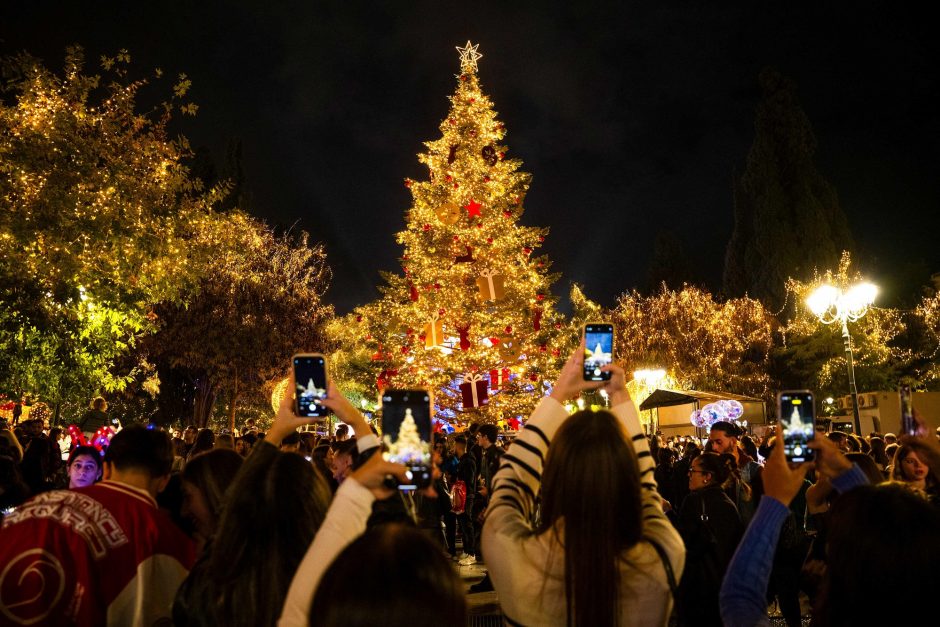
<point x="406" y="432"/>
<point x="598" y="350"/>
<point x="797" y="416"/>
<point x="908" y="426"/>
<point x="310" y="378"/>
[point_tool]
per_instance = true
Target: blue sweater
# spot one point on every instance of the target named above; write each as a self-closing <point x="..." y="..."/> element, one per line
<point x="744" y="591"/>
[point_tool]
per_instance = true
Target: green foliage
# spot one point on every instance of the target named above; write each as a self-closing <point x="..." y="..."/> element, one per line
<point x="259" y="302"/>
<point x="97" y="217"/>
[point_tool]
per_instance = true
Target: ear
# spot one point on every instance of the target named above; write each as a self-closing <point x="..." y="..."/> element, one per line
<point x="107" y="470"/>
<point x="158" y="484"/>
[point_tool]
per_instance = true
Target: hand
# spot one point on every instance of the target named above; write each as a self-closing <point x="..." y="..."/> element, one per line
<point x="571" y="381"/>
<point x="345" y="410"/>
<point x="780" y="481"/>
<point x="817" y="495"/>
<point x="372" y="475"/>
<point x="616" y="388"/>
<point x="286" y="421"/>
<point x="830" y="461"/>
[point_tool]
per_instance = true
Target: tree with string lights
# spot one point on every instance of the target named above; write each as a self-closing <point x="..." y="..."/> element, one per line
<point x="471" y="316"/>
<point x="97" y="213"/>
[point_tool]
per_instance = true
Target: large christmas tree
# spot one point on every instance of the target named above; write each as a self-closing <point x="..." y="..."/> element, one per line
<point x="471" y="317"/>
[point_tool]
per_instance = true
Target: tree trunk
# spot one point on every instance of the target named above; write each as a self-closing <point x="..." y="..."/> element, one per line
<point x="234" y="403"/>
<point x="204" y="401"/>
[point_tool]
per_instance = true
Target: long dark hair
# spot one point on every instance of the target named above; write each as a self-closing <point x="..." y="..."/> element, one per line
<point x="272" y="511"/>
<point x="591" y="482"/>
<point x="407" y="579"/>
<point x="882" y="533"/>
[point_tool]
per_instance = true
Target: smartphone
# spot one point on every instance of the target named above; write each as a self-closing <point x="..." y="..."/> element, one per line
<point x="406" y="433"/>
<point x="598" y="351"/>
<point x="796" y="411"/>
<point x="310" y="379"/>
<point x="908" y="426"/>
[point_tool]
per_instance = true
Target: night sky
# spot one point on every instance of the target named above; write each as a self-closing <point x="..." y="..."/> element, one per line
<point x="631" y="117"/>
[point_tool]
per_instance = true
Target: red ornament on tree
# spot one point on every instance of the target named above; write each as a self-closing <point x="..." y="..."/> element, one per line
<point x="507" y="214"/>
<point x="527" y="250"/>
<point x="408" y="183"/>
<point x="464" y="332"/>
<point x="556" y="352"/>
<point x="414" y="293"/>
<point x="427" y="227"/>
<point x="537" y="318"/>
<point x="358" y="318"/>
<point x="508" y="329"/>
<point x="473" y="208"/>
<point x="540" y="296"/>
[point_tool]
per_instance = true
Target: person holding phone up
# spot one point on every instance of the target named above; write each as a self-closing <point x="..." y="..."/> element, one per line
<point x="604" y="552"/>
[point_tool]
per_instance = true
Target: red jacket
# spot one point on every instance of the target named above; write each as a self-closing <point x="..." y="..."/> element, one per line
<point x="99" y="555"/>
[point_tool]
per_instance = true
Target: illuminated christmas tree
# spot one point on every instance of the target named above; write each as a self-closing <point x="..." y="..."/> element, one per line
<point x="472" y="302"/>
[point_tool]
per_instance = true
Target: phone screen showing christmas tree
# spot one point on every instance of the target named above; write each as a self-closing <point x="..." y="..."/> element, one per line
<point x="406" y="434"/>
<point x="598" y="351"/>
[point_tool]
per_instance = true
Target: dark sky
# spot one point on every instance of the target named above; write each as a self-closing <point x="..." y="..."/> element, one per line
<point x="631" y="117"/>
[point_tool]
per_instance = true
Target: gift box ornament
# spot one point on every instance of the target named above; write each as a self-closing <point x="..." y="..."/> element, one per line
<point x="492" y="286"/>
<point x="508" y="348"/>
<point x="474" y="391"/>
<point x="499" y="378"/>
<point x="433" y="333"/>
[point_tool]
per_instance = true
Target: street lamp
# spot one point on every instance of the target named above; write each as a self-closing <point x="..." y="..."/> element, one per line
<point x="831" y="305"/>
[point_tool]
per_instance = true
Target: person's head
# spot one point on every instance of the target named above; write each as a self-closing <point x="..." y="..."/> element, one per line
<point x="272" y="512"/>
<point x="342" y="432"/>
<point x="908" y="467"/>
<point x="56" y="434"/>
<point x="724" y="437"/>
<point x="402" y="580"/>
<point x="666" y="458"/>
<point x="710" y="469"/>
<point x="291" y="442"/>
<point x="84" y="467"/>
<point x="250" y="425"/>
<point x="868" y="466"/>
<point x="33" y="427"/>
<point x="141" y="453"/>
<point x="460" y="445"/>
<point x="487" y="435"/>
<point x="592" y="461"/>
<point x="876" y="530"/>
<point x="344" y="456"/>
<point x="205" y="480"/>
<point x="749" y="446"/>
<point x="841" y="440"/>
<point x="241" y="446"/>
<point x="890" y="438"/>
<point x="205" y="440"/>
<point x="99" y="404"/>
<point x="189" y="434"/>
<point x="878" y="451"/>
<point x="225" y="440"/>
<point x="852" y="442"/>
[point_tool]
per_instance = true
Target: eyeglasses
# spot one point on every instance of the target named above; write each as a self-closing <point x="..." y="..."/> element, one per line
<point x="704" y="472"/>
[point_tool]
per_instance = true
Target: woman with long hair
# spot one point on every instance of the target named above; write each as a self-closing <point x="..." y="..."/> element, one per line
<point x="711" y="528"/>
<point x="206" y="478"/>
<point x="272" y="511"/>
<point x="603" y="552"/>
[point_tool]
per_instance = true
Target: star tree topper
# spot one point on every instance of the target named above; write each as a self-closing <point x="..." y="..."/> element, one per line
<point x="469" y="57"/>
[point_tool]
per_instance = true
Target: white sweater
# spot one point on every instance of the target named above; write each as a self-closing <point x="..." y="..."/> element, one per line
<point x="528" y="570"/>
<point x="345" y="521"/>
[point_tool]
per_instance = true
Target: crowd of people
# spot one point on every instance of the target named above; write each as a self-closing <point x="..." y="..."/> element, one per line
<point x="579" y="519"/>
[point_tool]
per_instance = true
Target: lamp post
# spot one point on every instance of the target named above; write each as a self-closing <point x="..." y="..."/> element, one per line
<point x="831" y="305"/>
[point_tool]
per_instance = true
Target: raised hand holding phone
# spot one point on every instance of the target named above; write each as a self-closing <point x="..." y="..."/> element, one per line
<point x="796" y="412"/>
<point x="309" y="384"/>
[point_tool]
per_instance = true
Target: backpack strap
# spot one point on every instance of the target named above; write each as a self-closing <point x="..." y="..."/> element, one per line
<point x="670" y="575"/>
